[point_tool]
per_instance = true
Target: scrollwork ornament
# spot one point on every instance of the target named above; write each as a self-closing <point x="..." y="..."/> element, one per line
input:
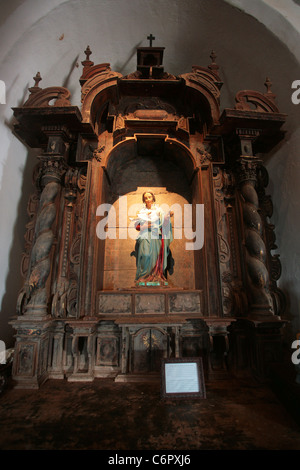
<point x="204" y="154"/>
<point x="97" y="153"/>
<point x="75" y="179"/>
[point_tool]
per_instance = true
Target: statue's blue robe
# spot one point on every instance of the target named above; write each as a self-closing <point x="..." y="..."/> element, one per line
<point x="153" y="245"/>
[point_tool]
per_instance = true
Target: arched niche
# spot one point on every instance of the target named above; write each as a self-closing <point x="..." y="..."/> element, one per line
<point x="167" y="168"/>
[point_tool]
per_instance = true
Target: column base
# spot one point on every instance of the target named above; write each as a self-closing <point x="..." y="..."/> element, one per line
<point x="80" y="378"/>
<point x="30" y="362"/>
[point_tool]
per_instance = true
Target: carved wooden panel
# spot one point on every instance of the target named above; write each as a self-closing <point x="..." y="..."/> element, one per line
<point x="149" y="346"/>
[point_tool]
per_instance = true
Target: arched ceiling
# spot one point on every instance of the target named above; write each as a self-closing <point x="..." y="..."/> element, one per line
<point x="50" y="37"/>
<point x="282" y="17"/>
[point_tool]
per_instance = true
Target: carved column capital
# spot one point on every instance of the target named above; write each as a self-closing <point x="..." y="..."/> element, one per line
<point x="247" y="163"/>
<point x="247" y="168"/>
<point x="52" y="168"/>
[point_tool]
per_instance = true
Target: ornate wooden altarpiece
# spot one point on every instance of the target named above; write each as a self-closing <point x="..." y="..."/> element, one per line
<point x="80" y="315"/>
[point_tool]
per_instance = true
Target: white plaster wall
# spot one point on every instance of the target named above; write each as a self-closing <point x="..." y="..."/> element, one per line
<point x="282" y="17"/>
<point x="50" y="37"/>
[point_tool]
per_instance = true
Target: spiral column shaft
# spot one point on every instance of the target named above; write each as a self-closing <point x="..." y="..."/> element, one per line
<point x="260" y="300"/>
<point x="35" y="289"/>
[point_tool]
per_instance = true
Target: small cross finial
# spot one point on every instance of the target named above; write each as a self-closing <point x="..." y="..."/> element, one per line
<point x="268" y="85"/>
<point x="213" y="57"/>
<point x="37" y="79"/>
<point x="213" y="66"/>
<point x="87" y="62"/>
<point x="35" y="88"/>
<point x="151" y="38"/>
<point x="88" y="53"/>
<point x="269" y="92"/>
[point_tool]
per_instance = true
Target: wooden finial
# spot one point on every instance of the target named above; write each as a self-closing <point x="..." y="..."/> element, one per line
<point x="88" y="52"/>
<point x="87" y="62"/>
<point x="36" y="88"/>
<point x="37" y="79"/>
<point x="213" y="57"/>
<point x="213" y="66"/>
<point x="268" y="84"/>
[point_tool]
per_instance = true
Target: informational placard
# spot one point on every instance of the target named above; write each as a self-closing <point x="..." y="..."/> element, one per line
<point x="183" y="378"/>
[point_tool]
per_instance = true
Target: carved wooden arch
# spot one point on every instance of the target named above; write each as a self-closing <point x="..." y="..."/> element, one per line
<point x="96" y="92"/>
<point x="41" y="97"/>
<point x="208" y="89"/>
<point x="261" y="102"/>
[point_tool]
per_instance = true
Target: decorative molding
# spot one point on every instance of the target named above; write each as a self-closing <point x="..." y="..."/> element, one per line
<point x="40" y="97"/>
<point x="250" y="100"/>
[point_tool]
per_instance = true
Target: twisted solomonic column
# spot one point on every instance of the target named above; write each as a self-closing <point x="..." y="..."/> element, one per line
<point x="260" y="300"/>
<point x="33" y="299"/>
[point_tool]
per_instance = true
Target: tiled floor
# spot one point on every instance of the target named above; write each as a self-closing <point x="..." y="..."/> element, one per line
<point x="237" y="414"/>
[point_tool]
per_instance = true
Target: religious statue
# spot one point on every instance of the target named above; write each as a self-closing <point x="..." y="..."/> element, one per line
<point x="153" y="241"/>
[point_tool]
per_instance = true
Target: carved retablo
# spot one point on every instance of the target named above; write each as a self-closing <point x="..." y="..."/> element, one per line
<point x="149" y="231"/>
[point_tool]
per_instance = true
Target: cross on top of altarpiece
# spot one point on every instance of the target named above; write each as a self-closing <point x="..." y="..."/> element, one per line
<point x="151" y="38"/>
